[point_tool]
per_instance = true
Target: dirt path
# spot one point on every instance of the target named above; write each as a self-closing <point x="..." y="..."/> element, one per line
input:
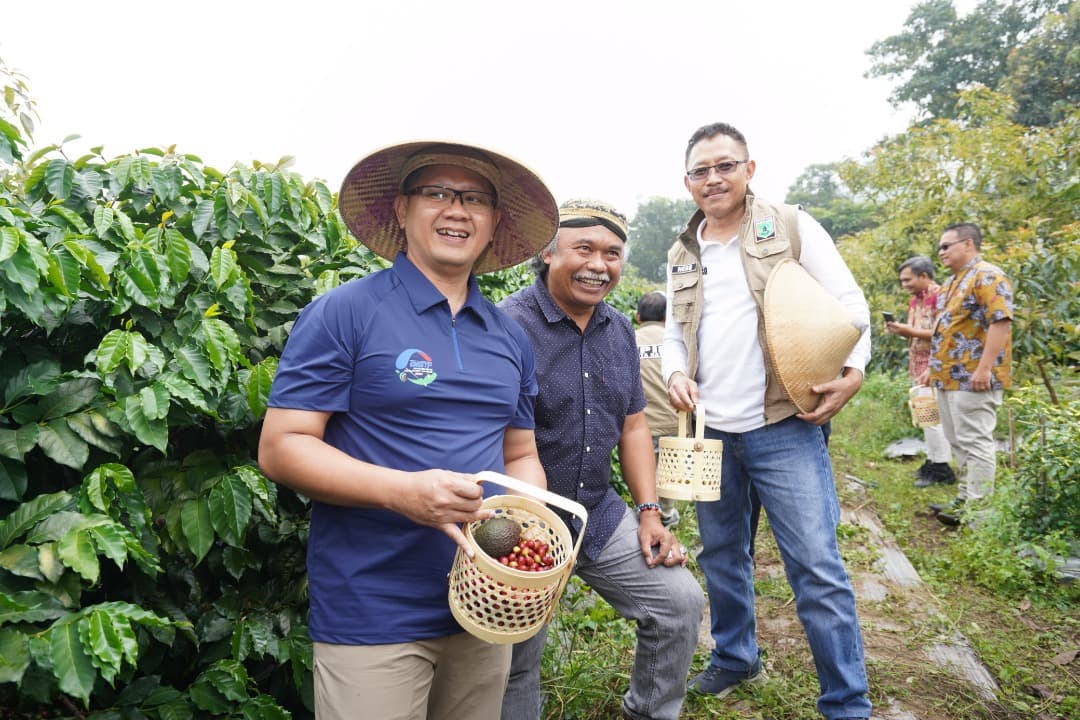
<point x="912" y="653"/>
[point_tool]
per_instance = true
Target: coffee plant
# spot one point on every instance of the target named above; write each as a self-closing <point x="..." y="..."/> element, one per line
<point x="147" y="567"/>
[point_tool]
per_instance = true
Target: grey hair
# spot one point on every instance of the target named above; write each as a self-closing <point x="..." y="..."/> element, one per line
<point x="537" y="264"/>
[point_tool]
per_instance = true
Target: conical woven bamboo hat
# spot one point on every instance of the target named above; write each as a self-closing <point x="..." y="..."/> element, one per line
<point x="529" y="215"/>
<point x="809" y="333"/>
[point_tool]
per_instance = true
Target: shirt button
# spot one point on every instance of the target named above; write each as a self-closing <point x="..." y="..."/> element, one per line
<point x="586" y="374"/>
<point x="581" y="485"/>
<point x="588" y="411"/>
<point x="588" y="449"/>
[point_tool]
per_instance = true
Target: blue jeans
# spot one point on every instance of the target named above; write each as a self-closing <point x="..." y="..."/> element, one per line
<point x="788" y="465"/>
<point x="666" y="603"/>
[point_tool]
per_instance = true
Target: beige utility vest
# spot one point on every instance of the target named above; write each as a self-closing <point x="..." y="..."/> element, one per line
<point x="768" y="234"/>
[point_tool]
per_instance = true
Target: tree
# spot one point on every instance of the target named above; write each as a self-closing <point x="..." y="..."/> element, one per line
<point x="1022" y="186"/>
<point x="939" y="54"/>
<point x="821" y="192"/>
<point x="1044" y="73"/>
<point x="656" y="224"/>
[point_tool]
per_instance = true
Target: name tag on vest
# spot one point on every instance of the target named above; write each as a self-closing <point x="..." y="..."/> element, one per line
<point x="683" y="269"/>
<point x="648" y="352"/>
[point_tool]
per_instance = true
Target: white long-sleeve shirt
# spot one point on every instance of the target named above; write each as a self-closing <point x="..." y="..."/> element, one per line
<point x="731" y="365"/>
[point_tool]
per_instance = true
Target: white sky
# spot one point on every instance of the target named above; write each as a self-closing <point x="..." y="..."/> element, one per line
<point x="598" y="96"/>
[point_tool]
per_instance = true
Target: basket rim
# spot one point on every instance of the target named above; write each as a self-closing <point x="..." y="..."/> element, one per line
<point x="521" y="502"/>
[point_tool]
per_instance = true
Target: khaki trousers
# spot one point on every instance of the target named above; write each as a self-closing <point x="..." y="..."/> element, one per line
<point x="937" y="445"/>
<point x="969" y="419"/>
<point x="451" y="678"/>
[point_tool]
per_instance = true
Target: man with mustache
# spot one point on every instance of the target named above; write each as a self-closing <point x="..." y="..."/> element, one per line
<point x="590" y="401"/>
<point x="715" y="353"/>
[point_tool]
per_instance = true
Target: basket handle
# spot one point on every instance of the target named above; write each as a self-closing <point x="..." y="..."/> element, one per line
<point x="699" y="426"/>
<point x="544" y="496"/>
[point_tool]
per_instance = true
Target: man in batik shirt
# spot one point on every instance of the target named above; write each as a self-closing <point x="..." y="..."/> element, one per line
<point x="970" y="359"/>
<point x="917" y="277"/>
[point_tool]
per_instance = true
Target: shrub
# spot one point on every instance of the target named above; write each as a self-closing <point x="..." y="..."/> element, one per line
<point x="1048" y="472"/>
<point x="145" y="562"/>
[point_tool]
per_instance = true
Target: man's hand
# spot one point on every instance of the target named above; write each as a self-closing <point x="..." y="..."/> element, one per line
<point x="442" y="499"/>
<point x="982" y="379"/>
<point x="682" y="392"/>
<point x="898" y="328"/>
<point x="834" y="395"/>
<point x="653" y="534"/>
<point x="997" y="337"/>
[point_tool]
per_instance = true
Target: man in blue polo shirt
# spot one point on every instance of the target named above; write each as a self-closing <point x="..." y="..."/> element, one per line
<point x="392" y="392"/>
<point x="591" y="400"/>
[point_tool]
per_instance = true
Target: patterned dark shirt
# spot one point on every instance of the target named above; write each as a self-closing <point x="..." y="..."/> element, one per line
<point x="589" y="383"/>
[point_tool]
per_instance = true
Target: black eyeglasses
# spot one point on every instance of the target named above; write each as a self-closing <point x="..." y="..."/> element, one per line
<point x="945" y="246"/>
<point x="439" y="195"/>
<point x="724" y="168"/>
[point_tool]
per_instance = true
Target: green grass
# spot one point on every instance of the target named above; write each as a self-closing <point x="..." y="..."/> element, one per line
<point x="1021" y="624"/>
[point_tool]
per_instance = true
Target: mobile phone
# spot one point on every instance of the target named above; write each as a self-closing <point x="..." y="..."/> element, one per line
<point x="888" y="316"/>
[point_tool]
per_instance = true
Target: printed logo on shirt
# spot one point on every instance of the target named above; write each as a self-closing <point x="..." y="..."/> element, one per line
<point x="682" y="269"/>
<point x="650" y="352"/>
<point x="416" y="366"/>
<point x="765" y="229"/>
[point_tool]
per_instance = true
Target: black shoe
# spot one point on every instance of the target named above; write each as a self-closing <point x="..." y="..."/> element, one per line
<point x="935" y="474"/>
<point x="943" y="473"/>
<point x="923" y="473"/>
<point x="950" y="519"/>
<point x="950" y="515"/>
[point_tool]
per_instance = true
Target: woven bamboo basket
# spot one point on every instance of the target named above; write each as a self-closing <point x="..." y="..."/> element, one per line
<point x="924" y="408"/>
<point x="500" y="604"/>
<point x="689" y="468"/>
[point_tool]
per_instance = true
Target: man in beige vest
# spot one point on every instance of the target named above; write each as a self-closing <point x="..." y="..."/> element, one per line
<point x="715" y="353"/>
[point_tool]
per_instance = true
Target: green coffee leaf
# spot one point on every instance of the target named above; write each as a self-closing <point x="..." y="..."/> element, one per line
<point x="152" y="431"/>
<point x="16" y="443"/>
<point x="77" y="552"/>
<point x="71" y="664"/>
<point x="68" y="397"/>
<point x="177" y="255"/>
<point x="103" y="220"/>
<point x="59" y="175"/>
<point x="12" y="480"/>
<point x="14" y="656"/>
<point x="62" y="445"/>
<point x="223" y="266"/>
<point x="230" y="509"/>
<point x="195" y="366"/>
<point x="9" y="241"/>
<point x="100" y="639"/>
<point x="197" y="527"/>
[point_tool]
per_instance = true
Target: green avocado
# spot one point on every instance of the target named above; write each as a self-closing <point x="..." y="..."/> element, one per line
<point x="497" y="536"/>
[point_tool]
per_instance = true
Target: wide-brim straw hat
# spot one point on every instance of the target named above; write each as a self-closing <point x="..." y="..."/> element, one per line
<point x="528" y="213"/>
<point x="808" y="331"/>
